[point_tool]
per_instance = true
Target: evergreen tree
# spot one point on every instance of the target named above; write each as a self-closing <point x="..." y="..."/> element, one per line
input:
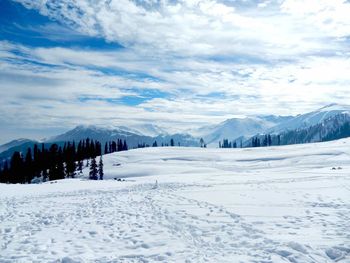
<point x="16" y="169"/>
<point x="226" y="144"/>
<point x="155" y="144"/>
<point x="5" y="173"/>
<point x="69" y="158"/>
<point x="269" y="140"/>
<point x="79" y="156"/>
<point x="56" y="163"/>
<point x="106" y="148"/>
<point x="172" y="143"/>
<point x="100" y="168"/>
<point x="119" y="145"/>
<point x="92" y="152"/>
<point x="28" y="163"/>
<point x="93" y="170"/>
<point x="98" y="148"/>
<point x="36" y="161"/>
<point x="80" y="166"/>
<point x="110" y="147"/>
<point x="125" y="146"/>
<point x="264" y="143"/>
<point x="201" y="142"/>
<point x="60" y="165"/>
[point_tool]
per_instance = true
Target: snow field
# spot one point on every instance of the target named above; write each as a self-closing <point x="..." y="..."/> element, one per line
<point x="278" y="204"/>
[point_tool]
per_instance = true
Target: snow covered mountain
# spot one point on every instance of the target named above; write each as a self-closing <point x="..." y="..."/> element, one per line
<point x="20" y="145"/>
<point x="133" y="138"/>
<point x="14" y="143"/>
<point x="332" y="128"/>
<point x="90" y="131"/>
<point x="311" y="118"/>
<point x="238" y="128"/>
<point x="231" y="129"/>
<point x="145" y="129"/>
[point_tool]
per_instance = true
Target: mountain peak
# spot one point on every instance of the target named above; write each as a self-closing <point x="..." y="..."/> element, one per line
<point x="335" y="107"/>
<point x="14" y="143"/>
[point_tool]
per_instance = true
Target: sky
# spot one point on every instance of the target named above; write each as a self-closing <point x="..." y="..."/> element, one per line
<point x="176" y="64"/>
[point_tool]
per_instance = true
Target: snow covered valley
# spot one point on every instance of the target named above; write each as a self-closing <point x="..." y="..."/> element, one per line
<point x="276" y="204"/>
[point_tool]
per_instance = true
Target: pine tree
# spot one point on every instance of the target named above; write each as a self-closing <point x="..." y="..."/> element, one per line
<point x="265" y="142"/>
<point x="93" y="170"/>
<point x="100" y="168"/>
<point x="125" y="146"/>
<point x="60" y="165"/>
<point x="80" y="166"/>
<point x="5" y="173"/>
<point x="201" y="142"/>
<point x="36" y="161"/>
<point x="56" y="163"/>
<point x="172" y="143"/>
<point x="119" y="145"/>
<point x="1" y="174"/>
<point x="28" y="163"/>
<point x="16" y="169"/>
<point x="69" y="157"/>
<point x="106" y="148"/>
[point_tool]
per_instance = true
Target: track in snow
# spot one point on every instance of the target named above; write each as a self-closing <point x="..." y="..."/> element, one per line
<point x="140" y="224"/>
<point x="209" y="208"/>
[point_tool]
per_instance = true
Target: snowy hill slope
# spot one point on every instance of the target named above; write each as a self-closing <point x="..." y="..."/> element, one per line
<point x="132" y="137"/>
<point x="14" y="143"/>
<point x="245" y="128"/>
<point x="146" y="129"/>
<point x="236" y="127"/>
<point x="277" y="204"/>
<point x="311" y="118"/>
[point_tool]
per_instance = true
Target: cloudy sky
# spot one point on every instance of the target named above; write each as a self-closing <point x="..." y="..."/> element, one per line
<point x="174" y="63"/>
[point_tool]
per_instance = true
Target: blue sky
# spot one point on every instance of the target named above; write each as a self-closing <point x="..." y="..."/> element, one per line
<point x="176" y="64"/>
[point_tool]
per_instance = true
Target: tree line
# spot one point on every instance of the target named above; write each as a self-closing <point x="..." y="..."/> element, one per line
<point x="155" y="144"/>
<point x="228" y="144"/>
<point x="57" y="162"/>
<point x="256" y="141"/>
<point x="264" y="140"/>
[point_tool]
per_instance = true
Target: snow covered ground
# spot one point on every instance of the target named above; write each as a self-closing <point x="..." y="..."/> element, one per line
<point x="277" y="204"/>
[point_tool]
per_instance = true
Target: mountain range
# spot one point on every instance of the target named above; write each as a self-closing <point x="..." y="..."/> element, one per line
<point x="234" y="129"/>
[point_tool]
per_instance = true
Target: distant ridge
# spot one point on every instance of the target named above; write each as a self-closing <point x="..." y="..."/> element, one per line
<point x="234" y="129"/>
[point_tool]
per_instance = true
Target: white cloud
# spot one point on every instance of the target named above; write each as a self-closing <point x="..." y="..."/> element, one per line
<point x="200" y="27"/>
<point x="215" y="59"/>
<point x="329" y="17"/>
